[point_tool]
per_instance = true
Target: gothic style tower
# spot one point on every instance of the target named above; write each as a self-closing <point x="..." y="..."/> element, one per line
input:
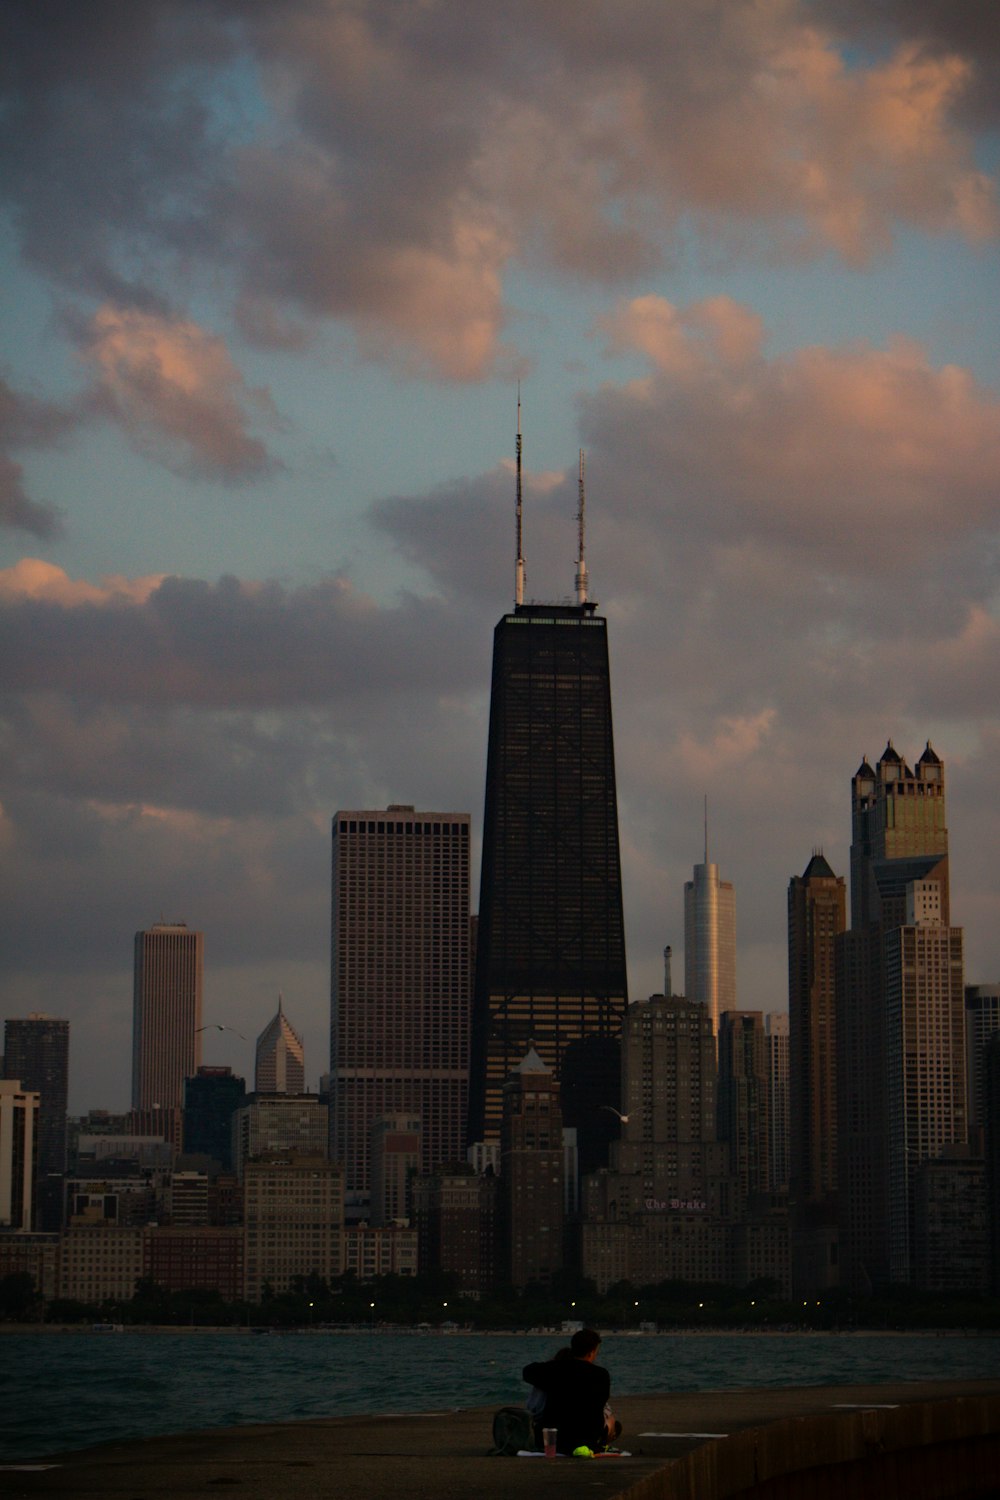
<point x="900" y="1013"/>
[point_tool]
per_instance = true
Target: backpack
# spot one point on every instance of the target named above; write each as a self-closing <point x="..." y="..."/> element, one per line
<point x="513" y="1430"/>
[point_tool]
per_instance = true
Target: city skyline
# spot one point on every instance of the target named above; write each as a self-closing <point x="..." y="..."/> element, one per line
<point x="257" y="412"/>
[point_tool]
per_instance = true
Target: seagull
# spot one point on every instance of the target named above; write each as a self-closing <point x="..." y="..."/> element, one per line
<point x="214" y="1026"/>
<point x="623" y="1118"/>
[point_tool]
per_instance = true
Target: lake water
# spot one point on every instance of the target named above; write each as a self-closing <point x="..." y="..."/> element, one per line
<point x="62" y="1391"/>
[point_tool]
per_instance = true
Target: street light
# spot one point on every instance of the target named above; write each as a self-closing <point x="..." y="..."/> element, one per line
<point x="371" y="1317"/>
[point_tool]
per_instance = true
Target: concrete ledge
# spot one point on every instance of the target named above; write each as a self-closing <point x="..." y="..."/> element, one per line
<point x="933" y="1450"/>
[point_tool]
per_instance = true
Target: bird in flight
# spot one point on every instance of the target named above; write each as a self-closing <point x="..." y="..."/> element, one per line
<point x="214" y="1026"/>
<point x="623" y="1118"/>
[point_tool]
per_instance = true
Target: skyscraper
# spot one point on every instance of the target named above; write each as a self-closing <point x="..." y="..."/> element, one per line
<point x="36" y="1052"/>
<point x="166" y="1014"/>
<point x="817" y="915"/>
<point x="280" y="1066"/>
<point x="900" y="1021"/>
<point x="710" y="939"/>
<point x="550" y="966"/>
<point x="400" y="983"/>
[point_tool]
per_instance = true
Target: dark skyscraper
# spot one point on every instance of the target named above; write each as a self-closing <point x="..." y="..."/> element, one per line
<point x="551" y="954"/>
<point x="817" y="915"/>
<point x="36" y="1051"/>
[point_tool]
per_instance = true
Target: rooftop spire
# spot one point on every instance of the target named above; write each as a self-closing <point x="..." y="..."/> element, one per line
<point x="706" y="828"/>
<point x="581" y="565"/>
<point x="519" y="562"/>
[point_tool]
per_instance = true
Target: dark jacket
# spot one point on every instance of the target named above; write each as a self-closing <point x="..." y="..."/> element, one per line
<point x="575" y="1395"/>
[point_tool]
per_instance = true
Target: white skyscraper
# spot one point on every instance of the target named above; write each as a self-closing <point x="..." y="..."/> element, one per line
<point x="280" y="1062"/>
<point x="710" y="939"/>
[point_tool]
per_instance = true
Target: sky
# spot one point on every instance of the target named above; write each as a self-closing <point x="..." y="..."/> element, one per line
<point x="271" y="276"/>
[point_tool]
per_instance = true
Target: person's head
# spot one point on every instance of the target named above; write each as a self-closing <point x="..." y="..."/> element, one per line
<point x="585" y="1343"/>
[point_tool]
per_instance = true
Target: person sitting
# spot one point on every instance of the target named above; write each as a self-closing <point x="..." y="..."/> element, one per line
<point x="576" y="1392"/>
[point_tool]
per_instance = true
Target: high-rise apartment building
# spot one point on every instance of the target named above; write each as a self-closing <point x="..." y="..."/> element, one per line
<point x="400" y="983"/>
<point x="36" y="1053"/>
<point x="659" y="1210"/>
<point x="531" y="1174"/>
<point x="166" y="1014"/>
<point x="710" y="940"/>
<point x="293" y="1222"/>
<point x="778" y="1085"/>
<point x="280" y="1064"/>
<point x="817" y="915"/>
<point x="551" y="948"/>
<point x="744" y="1100"/>
<point x="982" y="1021"/>
<point x="900" y="1013"/>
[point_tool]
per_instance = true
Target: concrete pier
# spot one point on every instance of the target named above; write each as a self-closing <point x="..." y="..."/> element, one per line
<point x="924" y="1441"/>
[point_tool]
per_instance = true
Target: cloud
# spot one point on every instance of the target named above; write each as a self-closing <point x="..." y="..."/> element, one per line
<point x="383" y="167"/>
<point x="27" y="422"/>
<point x="176" y="393"/>
<point x="228" y="644"/>
<point x="813" y="454"/>
<point x="965" y="29"/>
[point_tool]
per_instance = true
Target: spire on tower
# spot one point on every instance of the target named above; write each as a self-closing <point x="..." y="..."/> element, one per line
<point x="519" y="562"/>
<point x="581" y="565"/>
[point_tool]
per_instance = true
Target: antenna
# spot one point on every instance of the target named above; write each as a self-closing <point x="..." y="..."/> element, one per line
<point x="581" y="566"/>
<point x="519" y="562"/>
<point x="706" y="828"/>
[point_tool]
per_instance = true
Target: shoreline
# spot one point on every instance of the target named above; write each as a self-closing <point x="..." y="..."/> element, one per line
<point x="243" y="1331"/>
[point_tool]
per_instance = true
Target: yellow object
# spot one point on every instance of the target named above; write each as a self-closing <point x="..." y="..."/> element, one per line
<point x="583" y="1452"/>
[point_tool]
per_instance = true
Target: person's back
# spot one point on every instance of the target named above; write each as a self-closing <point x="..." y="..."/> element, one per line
<point x="576" y="1391"/>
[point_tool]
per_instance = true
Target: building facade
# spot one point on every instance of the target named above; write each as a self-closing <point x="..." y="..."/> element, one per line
<point x="776" y="1033"/>
<point x="982" y="1021"/>
<point x="277" y="1124"/>
<point x="166" y="1014"/>
<point x="18" y="1135"/>
<point x="744" y="1100"/>
<point x="400" y="983"/>
<point x="211" y="1098"/>
<point x="664" y="1206"/>
<point x="293" y="1222"/>
<point x="550" y="966"/>
<point x="532" y="1189"/>
<point x="395" y="1161"/>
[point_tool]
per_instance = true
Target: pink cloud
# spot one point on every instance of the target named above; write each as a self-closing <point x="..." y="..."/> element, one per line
<point x="32" y="578"/>
<point x="176" y="393"/>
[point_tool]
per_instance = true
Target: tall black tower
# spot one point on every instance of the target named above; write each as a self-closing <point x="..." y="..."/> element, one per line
<point x="551" y="949"/>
